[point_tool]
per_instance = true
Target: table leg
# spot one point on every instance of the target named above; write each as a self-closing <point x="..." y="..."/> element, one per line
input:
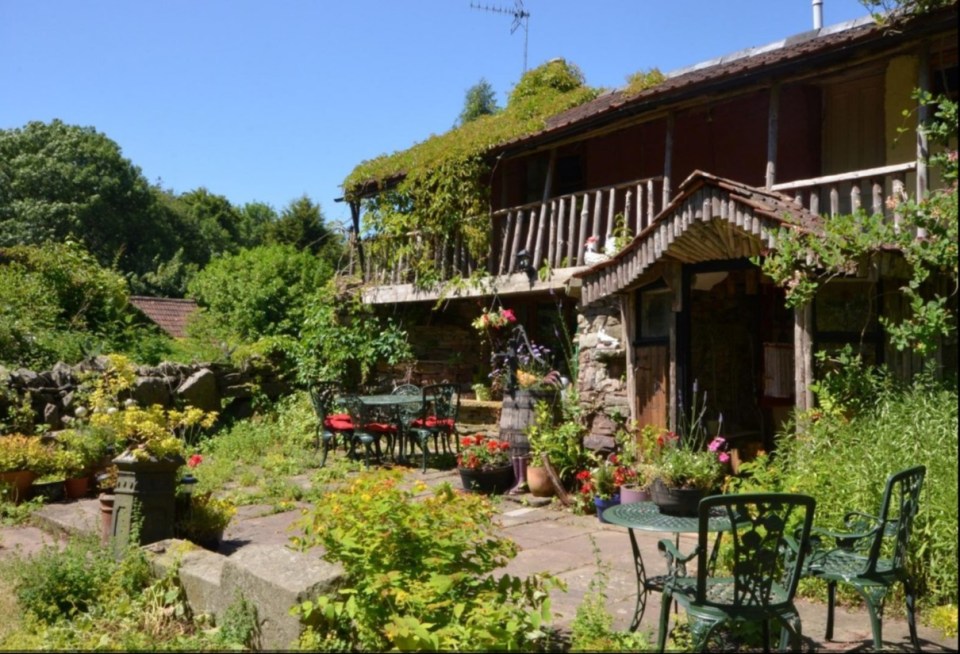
<point x="641" y="583"/>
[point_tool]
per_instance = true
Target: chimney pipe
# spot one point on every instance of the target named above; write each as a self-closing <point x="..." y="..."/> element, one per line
<point x="817" y="14"/>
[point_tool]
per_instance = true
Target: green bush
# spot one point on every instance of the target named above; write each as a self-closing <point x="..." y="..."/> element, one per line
<point x="55" y="585"/>
<point x="844" y="464"/>
<point x="418" y="573"/>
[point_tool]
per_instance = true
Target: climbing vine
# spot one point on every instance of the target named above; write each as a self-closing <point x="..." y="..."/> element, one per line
<point x="435" y="187"/>
<point x="926" y="236"/>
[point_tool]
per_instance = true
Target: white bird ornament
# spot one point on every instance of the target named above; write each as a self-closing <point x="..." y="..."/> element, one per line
<point x="590" y="254"/>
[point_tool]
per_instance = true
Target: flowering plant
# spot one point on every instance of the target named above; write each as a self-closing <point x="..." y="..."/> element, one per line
<point x="604" y="480"/>
<point x="479" y="452"/>
<point x="687" y="460"/>
<point x="494" y="319"/>
<point x="205" y="518"/>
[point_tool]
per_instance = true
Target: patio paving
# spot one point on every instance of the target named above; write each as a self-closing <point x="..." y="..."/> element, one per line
<point x="551" y="540"/>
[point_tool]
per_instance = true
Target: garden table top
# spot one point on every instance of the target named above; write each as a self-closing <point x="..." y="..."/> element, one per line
<point x="388" y="399"/>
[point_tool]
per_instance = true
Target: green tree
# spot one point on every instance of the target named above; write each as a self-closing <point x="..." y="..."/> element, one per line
<point x="216" y="221"/>
<point x="64" y="182"/>
<point x="256" y="293"/>
<point x="481" y="100"/>
<point x="255" y="219"/>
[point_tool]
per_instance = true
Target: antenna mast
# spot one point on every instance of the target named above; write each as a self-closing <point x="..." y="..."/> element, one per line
<point x="520" y="18"/>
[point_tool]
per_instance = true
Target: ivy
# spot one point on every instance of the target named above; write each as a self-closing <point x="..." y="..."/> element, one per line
<point x="443" y="182"/>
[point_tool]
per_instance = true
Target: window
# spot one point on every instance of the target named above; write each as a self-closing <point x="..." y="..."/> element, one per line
<point x="654" y="313"/>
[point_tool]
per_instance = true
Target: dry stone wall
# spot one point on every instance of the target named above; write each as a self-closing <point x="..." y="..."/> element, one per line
<point x="209" y="386"/>
<point x="602" y="378"/>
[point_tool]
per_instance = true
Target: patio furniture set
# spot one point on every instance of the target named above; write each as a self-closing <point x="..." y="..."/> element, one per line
<point x="774" y="545"/>
<point x="386" y="425"/>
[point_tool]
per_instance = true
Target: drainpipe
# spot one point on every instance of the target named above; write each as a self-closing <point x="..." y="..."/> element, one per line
<point x="817" y="14"/>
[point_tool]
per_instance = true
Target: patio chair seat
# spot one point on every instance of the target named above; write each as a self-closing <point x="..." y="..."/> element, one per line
<point x="338" y="422"/>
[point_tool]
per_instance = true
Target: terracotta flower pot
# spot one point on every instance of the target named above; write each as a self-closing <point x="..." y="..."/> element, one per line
<point x="539" y="482"/>
<point x="77" y="487"/>
<point x="20" y="482"/>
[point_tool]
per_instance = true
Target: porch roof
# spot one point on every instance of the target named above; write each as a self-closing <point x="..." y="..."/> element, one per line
<point x="710" y="219"/>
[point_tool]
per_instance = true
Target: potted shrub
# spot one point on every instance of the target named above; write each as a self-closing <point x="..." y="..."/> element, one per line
<point x="484" y="464"/>
<point x="205" y="520"/>
<point x="22" y="458"/>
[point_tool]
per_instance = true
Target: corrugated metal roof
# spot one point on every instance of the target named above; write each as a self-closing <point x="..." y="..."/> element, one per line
<point x="170" y="314"/>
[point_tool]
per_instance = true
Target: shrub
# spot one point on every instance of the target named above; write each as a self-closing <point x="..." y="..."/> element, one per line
<point x="54" y="585"/>
<point x="844" y="463"/>
<point x="418" y="572"/>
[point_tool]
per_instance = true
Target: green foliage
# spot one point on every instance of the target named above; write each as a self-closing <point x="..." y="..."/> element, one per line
<point x="945" y="619"/>
<point x="418" y="572"/>
<point x="804" y="260"/>
<point x="239" y="625"/>
<point x="443" y="182"/>
<point x="58" y="304"/>
<point x="66" y="182"/>
<point x="55" y="585"/>
<point x="343" y="339"/>
<point x="263" y="291"/>
<point x="843" y="462"/>
<point x="301" y="225"/>
<point x="643" y="80"/>
<point x="481" y="100"/>
<point x="560" y="439"/>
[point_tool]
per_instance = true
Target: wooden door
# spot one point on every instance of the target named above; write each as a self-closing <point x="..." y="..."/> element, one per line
<point x="651" y="372"/>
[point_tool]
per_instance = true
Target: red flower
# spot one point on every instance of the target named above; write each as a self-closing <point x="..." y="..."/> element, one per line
<point x="194" y="460"/>
<point x="583" y="475"/>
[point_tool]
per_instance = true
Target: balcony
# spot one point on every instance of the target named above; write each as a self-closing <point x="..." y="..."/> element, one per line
<point x="553" y="233"/>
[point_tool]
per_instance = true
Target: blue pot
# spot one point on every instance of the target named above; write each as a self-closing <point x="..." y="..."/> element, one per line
<point x="602" y="504"/>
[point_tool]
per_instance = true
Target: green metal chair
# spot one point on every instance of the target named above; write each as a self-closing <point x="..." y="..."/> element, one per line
<point x="765" y="570"/>
<point x="324" y="396"/>
<point x="369" y="427"/>
<point x="872" y="555"/>
<point x="443" y="409"/>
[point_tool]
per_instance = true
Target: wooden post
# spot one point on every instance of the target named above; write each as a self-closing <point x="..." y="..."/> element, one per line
<point x="923" y="114"/>
<point x="668" y="159"/>
<point x="355" y="219"/>
<point x="627" y="319"/>
<point x="803" y="356"/>
<point x="773" y="118"/>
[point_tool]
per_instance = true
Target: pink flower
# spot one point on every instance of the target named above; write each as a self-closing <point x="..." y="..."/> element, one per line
<point x="717" y="443"/>
<point x="194" y="460"/>
<point x="508" y="315"/>
<point x="724" y="457"/>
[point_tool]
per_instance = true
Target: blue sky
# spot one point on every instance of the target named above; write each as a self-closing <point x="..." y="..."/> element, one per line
<point x="272" y="99"/>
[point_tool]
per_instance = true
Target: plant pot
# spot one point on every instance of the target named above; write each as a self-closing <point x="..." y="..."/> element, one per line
<point x="487" y="481"/>
<point x="50" y="491"/>
<point x="77" y="487"/>
<point x="602" y="504"/>
<point x="20" y="482"/>
<point x="631" y="494"/>
<point x="677" y="501"/>
<point x="539" y="482"/>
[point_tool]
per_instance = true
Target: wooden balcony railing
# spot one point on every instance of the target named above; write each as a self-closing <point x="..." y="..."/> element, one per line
<point x="554" y="232"/>
<point x="845" y="193"/>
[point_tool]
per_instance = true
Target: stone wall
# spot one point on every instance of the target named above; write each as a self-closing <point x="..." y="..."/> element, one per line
<point x="208" y="386"/>
<point x="602" y="378"/>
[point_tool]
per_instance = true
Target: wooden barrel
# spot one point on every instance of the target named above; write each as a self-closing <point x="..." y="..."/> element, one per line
<point x="518" y="413"/>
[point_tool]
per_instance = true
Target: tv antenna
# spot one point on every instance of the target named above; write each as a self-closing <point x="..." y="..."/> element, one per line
<point x="521" y="18"/>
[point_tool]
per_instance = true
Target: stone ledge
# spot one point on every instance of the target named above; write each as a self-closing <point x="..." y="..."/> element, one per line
<point x="272" y="578"/>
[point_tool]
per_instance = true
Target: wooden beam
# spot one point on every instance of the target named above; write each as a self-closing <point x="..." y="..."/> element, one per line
<point x="773" y="119"/>
<point x="668" y="158"/>
<point x="803" y="356"/>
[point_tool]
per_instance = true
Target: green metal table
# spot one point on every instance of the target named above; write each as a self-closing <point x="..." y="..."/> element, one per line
<point x="645" y="516"/>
